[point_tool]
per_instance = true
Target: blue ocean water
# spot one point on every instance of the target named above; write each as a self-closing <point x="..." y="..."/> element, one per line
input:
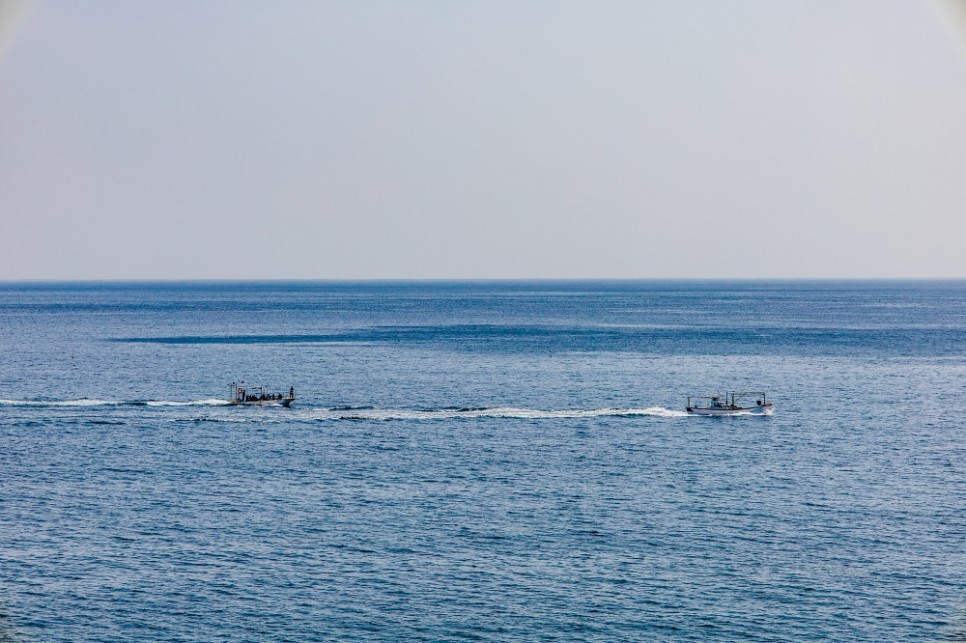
<point x="504" y="461"/>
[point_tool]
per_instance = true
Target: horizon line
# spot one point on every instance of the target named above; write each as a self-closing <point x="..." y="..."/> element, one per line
<point x="414" y="280"/>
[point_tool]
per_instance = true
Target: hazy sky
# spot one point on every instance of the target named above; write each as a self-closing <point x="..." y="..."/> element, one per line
<point x="491" y="139"/>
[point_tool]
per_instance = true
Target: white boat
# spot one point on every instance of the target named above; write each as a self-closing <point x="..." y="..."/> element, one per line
<point x="258" y="396"/>
<point x="730" y="404"/>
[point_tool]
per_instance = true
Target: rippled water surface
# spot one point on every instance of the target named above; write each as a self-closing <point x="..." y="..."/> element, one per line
<point x="482" y="461"/>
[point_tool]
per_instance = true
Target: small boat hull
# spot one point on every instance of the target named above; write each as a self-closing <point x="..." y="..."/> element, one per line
<point x="764" y="409"/>
<point x="286" y="402"/>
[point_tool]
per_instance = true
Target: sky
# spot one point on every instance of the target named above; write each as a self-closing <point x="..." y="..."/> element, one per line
<point x="433" y="139"/>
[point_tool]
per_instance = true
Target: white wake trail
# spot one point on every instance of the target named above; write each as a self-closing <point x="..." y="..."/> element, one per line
<point x="209" y="402"/>
<point x="496" y="412"/>
<point x="88" y="403"/>
<point x="60" y="403"/>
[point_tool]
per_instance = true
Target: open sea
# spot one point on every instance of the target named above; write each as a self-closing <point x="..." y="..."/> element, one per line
<point x="482" y="461"/>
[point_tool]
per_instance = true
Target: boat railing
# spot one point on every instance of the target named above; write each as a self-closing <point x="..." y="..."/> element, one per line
<point x="728" y="399"/>
<point x="239" y="393"/>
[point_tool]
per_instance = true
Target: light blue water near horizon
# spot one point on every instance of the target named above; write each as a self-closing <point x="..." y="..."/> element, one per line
<point x="482" y="461"/>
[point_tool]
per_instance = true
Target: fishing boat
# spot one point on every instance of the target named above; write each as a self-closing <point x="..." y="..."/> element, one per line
<point x="240" y="395"/>
<point x="730" y="404"/>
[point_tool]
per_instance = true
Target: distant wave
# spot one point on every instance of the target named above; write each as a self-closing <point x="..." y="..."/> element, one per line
<point x="226" y="419"/>
<point x="85" y="402"/>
